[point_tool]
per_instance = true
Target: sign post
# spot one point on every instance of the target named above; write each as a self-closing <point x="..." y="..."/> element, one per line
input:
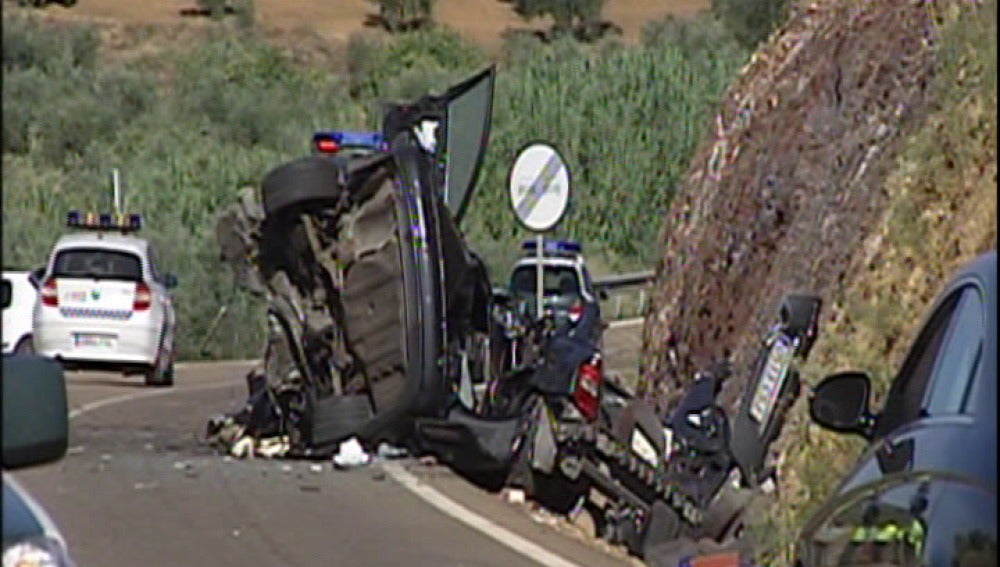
<point x="116" y="187"/>
<point x="539" y="192"/>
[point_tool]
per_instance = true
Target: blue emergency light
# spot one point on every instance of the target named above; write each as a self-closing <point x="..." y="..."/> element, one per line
<point x="555" y="247"/>
<point x="104" y="221"/>
<point x="333" y="141"/>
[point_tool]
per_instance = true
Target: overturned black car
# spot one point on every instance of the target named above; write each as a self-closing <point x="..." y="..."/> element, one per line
<point x="375" y="303"/>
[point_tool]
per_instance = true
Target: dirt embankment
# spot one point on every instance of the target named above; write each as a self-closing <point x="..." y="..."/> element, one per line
<point x="791" y="185"/>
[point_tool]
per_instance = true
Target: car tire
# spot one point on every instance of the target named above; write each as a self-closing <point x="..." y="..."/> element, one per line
<point x="25" y="346"/>
<point x="306" y="180"/>
<point x="160" y="374"/>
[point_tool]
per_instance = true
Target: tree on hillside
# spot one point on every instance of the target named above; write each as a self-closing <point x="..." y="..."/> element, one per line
<point x="581" y="17"/>
<point x="401" y="15"/>
<point x="751" y="21"/>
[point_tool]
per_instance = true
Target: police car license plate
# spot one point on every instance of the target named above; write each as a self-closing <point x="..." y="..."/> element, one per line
<point x="94" y="341"/>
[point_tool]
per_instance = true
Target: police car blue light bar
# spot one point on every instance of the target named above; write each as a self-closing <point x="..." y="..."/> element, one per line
<point x="555" y="246"/>
<point x="104" y="221"/>
<point x="333" y="141"/>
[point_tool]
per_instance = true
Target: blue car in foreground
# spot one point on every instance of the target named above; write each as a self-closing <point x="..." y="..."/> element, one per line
<point x="35" y="432"/>
<point x="924" y="490"/>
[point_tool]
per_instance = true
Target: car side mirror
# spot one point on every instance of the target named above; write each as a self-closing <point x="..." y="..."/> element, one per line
<point x="602" y="294"/>
<point x="35" y="277"/>
<point x="170" y="281"/>
<point x="840" y="403"/>
<point x="35" y="411"/>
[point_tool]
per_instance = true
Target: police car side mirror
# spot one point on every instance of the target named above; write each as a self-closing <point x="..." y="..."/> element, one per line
<point x="840" y="403"/>
<point x="35" y="277"/>
<point x="170" y="281"/>
<point x="602" y="294"/>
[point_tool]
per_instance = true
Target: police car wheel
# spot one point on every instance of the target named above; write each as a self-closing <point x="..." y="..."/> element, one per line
<point x="160" y="374"/>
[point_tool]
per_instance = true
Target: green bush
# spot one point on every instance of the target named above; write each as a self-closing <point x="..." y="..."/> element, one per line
<point x="751" y="21"/>
<point x="626" y="120"/>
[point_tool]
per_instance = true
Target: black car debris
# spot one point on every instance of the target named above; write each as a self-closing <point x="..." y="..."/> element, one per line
<point x="375" y="302"/>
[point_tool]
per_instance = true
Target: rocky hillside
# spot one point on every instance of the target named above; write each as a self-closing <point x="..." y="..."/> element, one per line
<point x="794" y="182"/>
<point x="854" y="157"/>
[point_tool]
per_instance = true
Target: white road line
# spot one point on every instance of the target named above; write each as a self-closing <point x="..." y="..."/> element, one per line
<point x="95" y="405"/>
<point x="626" y="323"/>
<point x="458" y="512"/>
<point x="425" y="492"/>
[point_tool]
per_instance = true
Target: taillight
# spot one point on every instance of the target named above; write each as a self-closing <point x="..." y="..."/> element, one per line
<point x="587" y="395"/>
<point x="575" y="312"/>
<point x="143" y="297"/>
<point x="50" y="293"/>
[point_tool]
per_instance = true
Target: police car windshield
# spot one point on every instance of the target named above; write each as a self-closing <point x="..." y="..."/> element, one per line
<point x="556" y="281"/>
<point x="98" y="264"/>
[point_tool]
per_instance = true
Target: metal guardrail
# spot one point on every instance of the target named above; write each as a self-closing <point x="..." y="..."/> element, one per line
<point x="618" y="288"/>
<point x="632" y="279"/>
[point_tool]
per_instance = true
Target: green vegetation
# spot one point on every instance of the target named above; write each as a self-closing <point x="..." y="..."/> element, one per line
<point x="942" y="213"/>
<point x="582" y="17"/>
<point x="187" y="127"/>
<point x="402" y="15"/>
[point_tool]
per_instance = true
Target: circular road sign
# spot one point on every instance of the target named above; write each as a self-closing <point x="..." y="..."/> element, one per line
<point x="539" y="187"/>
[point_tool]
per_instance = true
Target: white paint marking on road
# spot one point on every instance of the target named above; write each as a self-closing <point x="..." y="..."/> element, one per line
<point x="449" y="507"/>
<point x="626" y="323"/>
<point x="89" y="407"/>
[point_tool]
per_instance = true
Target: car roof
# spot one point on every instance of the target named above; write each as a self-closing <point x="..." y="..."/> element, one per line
<point x="561" y="261"/>
<point x="109" y="240"/>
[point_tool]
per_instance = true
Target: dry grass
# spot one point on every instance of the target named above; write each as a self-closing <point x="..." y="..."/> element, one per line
<point x="483" y="21"/>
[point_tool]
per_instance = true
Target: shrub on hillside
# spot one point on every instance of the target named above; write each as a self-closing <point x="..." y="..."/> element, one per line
<point x="30" y="44"/>
<point x="387" y="69"/>
<point x="751" y="21"/>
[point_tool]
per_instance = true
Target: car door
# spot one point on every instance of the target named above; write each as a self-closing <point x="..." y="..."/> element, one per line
<point x="912" y="520"/>
<point x="919" y="449"/>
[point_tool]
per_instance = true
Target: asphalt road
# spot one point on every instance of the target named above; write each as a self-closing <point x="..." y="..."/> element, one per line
<point x="139" y="488"/>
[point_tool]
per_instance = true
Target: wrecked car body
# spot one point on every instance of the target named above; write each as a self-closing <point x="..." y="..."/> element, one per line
<point x="375" y="303"/>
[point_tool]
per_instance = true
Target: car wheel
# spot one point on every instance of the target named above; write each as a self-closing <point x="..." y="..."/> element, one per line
<point x="162" y="372"/>
<point x="307" y="180"/>
<point x="25" y="346"/>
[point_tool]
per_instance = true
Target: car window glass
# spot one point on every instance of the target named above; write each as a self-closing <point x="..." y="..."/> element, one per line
<point x="97" y="263"/>
<point x="956" y="367"/>
<point x="904" y="402"/>
<point x="6" y="293"/>
<point x="557" y="280"/>
<point x="885" y="526"/>
<point x="154" y="267"/>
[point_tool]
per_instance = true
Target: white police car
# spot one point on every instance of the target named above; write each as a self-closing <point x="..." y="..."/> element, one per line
<point x="103" y="303"/>
<point x="568" y="292"/>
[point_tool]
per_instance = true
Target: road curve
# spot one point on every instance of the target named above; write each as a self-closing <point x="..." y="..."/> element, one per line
<point x="139" y="488"/>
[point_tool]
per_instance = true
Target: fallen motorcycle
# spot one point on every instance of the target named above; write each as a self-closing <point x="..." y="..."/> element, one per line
<point x="570" y="438"/>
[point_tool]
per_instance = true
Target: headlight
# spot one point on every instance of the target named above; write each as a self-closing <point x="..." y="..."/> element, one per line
<point x="36" y="552"/>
